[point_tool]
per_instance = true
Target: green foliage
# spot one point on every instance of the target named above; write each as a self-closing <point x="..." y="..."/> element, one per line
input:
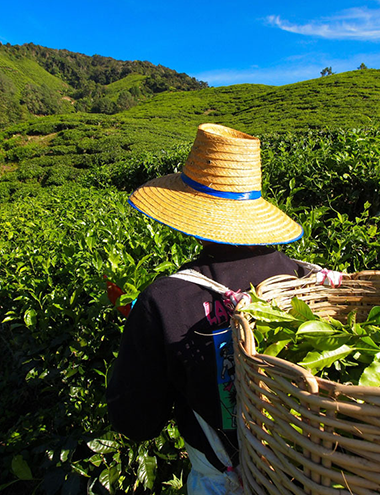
<point x="125" y="100"/>
<point x="335" y="168"/>
<point x="109" y="150"/>
<point x="331" y="239"/>
<point x="43" y="81"/>
<point x="69" y="82"/>
<point x="137" y="169"/>
<point x="9" y="108"/>
<point x="64" y="223"/>
<point x="40" y="100"/>
<point x="327" y="71"/>
<point x="340" y="352"/>
<point x="60" y="336"/>
<point x="17" y="153"/>
<point x="338" y="169"/>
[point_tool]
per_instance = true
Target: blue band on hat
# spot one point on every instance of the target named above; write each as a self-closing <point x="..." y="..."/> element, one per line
<point x="219" y="194"/>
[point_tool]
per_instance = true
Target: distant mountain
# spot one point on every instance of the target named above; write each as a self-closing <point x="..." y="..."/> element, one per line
<point x="35" y="80"/>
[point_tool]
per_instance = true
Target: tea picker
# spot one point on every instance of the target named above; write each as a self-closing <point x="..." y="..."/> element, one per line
<point x="176" y="352"/>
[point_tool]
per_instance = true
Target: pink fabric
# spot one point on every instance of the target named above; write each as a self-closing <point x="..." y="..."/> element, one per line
<point x="329" y="277"/>
<point x="233" y="298"/>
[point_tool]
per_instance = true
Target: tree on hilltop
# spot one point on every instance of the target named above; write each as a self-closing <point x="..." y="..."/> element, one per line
<point x="327" y="71"/>
<point x="362" y="67"/>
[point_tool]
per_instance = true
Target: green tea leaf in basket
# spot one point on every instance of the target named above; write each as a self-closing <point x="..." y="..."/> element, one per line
<point x="301" y="310"/>
<point x="371" y="374"/>
<point x="316" y="361"/>
<point x="334" y="323"/>
<point x="374" y="315"/>
<point x="367" y="342"/>
<point x="276" y="348"/>
<point x="264" y="312"/>
<point x="358" y="329"/>
<point x="254" y="296"/>
<point x="374" y="332"/>
<point x="351" y="319"/>
<point x="328" y="342"/>
<point x="261" y="327"/>
<point x="315" y="328"/>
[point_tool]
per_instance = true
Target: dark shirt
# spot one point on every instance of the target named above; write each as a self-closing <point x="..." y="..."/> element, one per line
<point x="176" y="350"/>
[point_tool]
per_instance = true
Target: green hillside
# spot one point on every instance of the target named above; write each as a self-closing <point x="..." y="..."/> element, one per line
<point x="350" y="99"/>
<point x="346" y="100"/>
<point x="154" y="131"/>
<point x="35" y="80"/>
<point x="38" y="81"/>
<point x="128" y="82"/>
<point x="24" y="71"/>
<point x="22" y="82"/>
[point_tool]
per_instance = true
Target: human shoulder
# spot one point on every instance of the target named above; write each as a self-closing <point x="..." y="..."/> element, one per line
<point x="163" y="288"/>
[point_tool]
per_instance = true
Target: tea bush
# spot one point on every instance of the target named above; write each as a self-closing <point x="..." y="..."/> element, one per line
<point x="324" y="168"/>
<point x="59" y="334"/>
<point x="129" y="173"/>
<point x="18" y="153"/>
<point x="59" y="338"/>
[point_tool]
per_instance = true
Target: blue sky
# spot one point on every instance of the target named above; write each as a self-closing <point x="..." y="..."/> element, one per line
<point x="217" y="41"/>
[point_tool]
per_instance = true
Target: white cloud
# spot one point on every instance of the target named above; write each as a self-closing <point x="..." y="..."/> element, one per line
<point x="352" y="24"/>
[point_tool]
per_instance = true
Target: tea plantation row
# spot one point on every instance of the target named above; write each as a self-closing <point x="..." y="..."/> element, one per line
<point x="59" y="334"/>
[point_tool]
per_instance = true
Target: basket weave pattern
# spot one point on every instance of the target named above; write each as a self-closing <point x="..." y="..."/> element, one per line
<point x="300" y="434"/>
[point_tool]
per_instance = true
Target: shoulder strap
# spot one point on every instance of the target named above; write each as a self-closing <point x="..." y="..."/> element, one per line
<point x="211" y="435"/>
<point x="200" y="279"/>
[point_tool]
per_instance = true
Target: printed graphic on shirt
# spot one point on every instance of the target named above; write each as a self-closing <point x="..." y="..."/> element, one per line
<point x="226" y="375"/>
<point x="216" y="313"/>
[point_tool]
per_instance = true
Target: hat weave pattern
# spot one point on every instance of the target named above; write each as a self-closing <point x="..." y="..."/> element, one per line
<point x="217" y="197"/>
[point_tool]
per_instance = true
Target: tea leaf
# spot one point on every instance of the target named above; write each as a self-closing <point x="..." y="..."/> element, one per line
<point x="30" y="317"/>
<point x="316" y="361"/>
<point x="315" y="328"/>
<point x="21" y="468"/>
<point x="146" y="471"/>
<point x="371" y="374"/>
<point x="108" y="477"/>
<point x="301" y="310"/>
<point x="275" y="349"/>
<point x="265" y="312"/>
<point x="102" y="445"/>
<point x="374" y="315"/>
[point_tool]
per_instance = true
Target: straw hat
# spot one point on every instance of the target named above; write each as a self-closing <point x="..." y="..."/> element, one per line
<point x="217" y="197"/>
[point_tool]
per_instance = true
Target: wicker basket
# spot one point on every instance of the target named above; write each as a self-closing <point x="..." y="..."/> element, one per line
<point x="300" y="434"/>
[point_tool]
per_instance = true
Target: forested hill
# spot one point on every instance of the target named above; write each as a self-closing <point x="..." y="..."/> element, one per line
<point x="38" y="82"/>
<point x="35" y="80"/>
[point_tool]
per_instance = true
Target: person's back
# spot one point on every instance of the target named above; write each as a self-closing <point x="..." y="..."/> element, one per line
<point x="176" y="349"/>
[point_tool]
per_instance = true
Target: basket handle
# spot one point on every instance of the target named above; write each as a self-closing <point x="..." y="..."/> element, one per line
<point x="244" y="333"/>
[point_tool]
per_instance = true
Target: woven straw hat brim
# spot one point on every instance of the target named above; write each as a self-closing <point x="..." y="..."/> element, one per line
<point x="250" y="222"/>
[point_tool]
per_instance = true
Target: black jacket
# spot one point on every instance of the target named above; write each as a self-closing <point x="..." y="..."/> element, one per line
<point x="176" y="350"/>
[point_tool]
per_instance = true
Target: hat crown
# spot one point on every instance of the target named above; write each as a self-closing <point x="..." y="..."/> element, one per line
<point x="224" y="159"/>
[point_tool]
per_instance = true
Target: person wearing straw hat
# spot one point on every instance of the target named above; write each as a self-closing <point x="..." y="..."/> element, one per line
<point x="176" y="350"/>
